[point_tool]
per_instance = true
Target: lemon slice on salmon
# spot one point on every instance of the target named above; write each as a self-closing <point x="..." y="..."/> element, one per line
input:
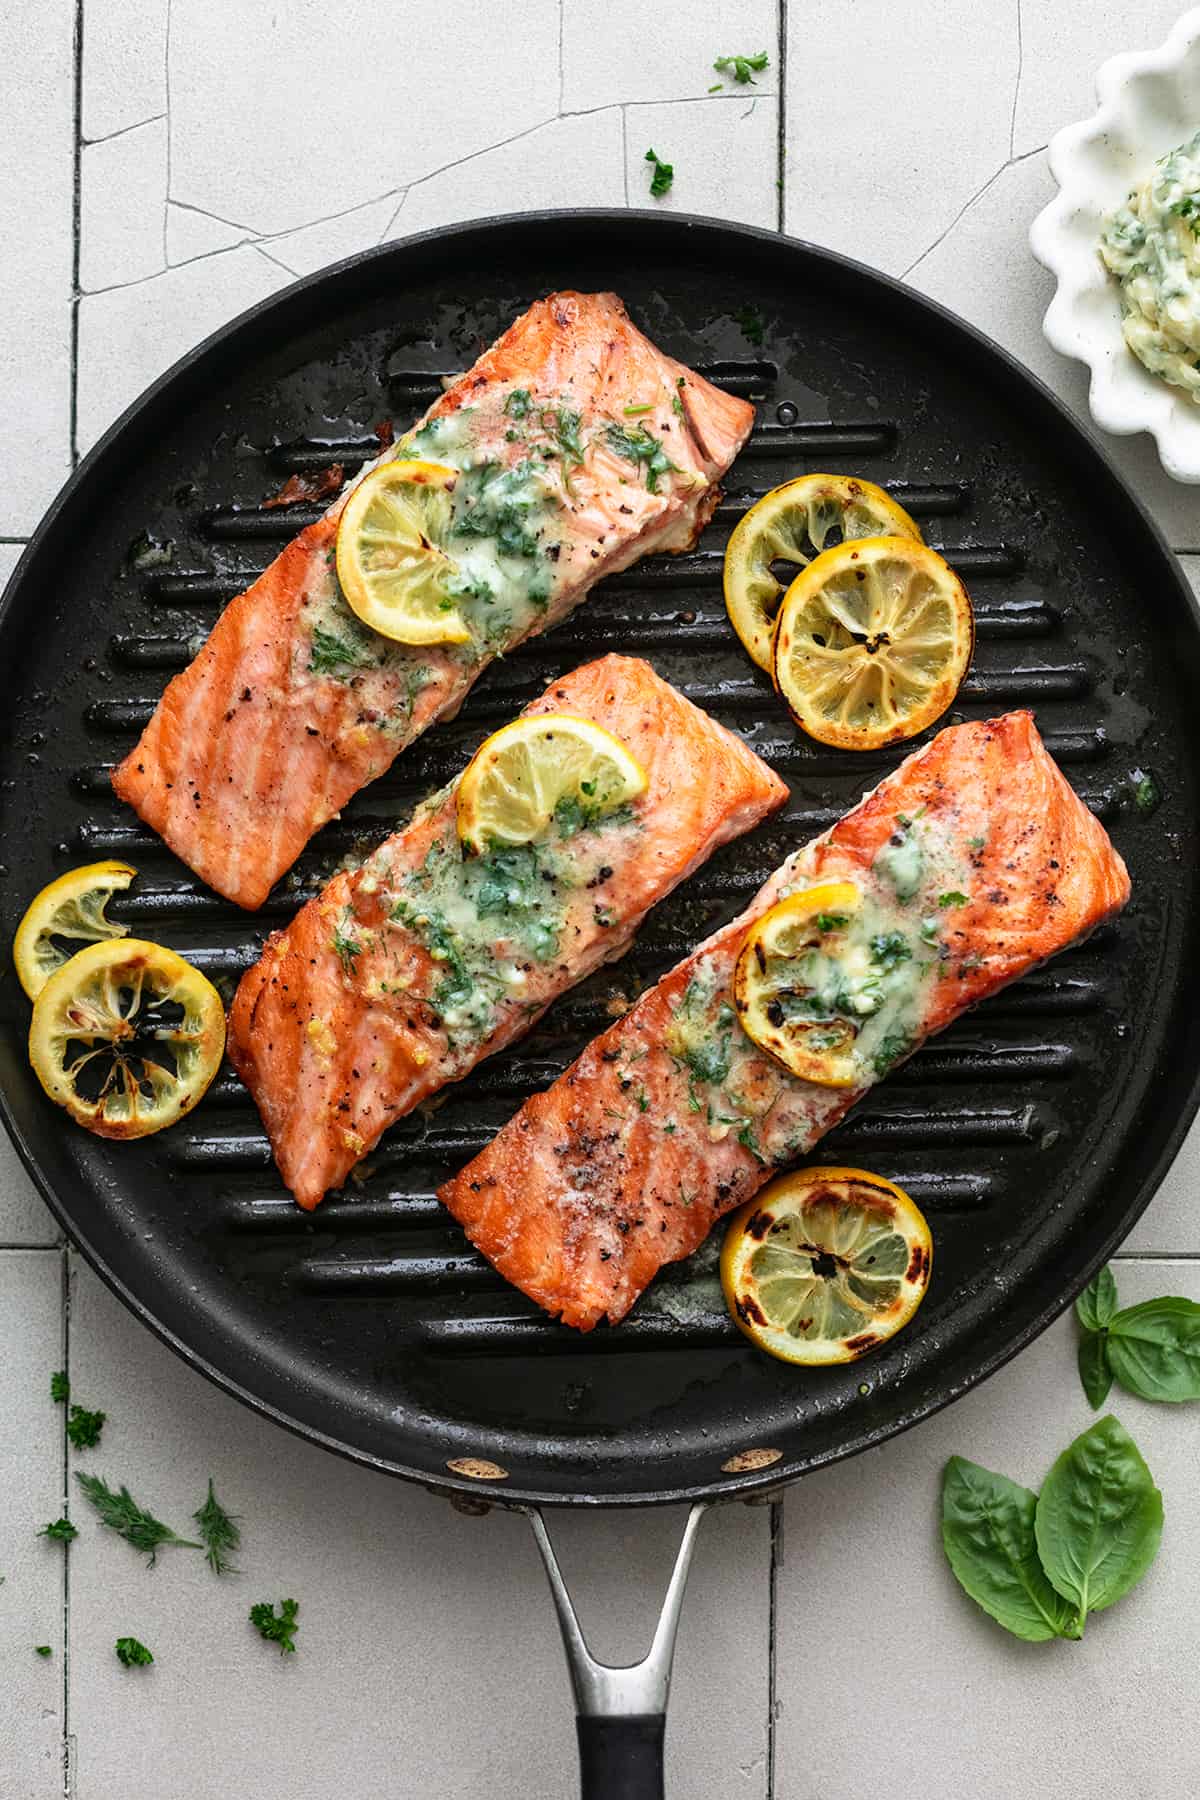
<point x="67" y="914"/>
<point x="778" y="990"/>
<point x="792" y="524"/>
<point x="390" y="565"/>
<point x="126" y="1036"/>
<point x="539" y="768"/>
<point x="872" y="642"/>
<point x="824" y="1265"/>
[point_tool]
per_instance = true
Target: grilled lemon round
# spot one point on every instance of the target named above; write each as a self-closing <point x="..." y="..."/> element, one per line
<point x="67" y="914"/>
<point x="791" y="525"/>
<point x="389" y="563"/>
<point x="824" y="1265"/>
<point x="522" y="775"/>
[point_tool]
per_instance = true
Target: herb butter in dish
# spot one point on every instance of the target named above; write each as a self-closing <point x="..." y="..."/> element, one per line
<point x="1151" y="244"/>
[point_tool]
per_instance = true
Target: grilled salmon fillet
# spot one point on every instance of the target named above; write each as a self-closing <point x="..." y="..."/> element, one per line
<point x="402" y="976"/>
<point x="581" y="447"/>
<point x="985" y="862"/>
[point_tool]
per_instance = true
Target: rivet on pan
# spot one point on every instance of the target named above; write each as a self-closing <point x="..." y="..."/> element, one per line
<point x="745" y="1460"/>
<point x="476" y="1468"/>
<point x="786" y="413"/>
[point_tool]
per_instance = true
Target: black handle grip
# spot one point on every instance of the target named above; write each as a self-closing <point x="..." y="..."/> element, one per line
<point x="621" y="1759"/>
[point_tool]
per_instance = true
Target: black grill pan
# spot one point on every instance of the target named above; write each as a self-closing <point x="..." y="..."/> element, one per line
<point x="1033" y="1133"/>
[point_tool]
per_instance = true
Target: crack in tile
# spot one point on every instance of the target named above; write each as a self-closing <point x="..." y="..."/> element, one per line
<point x="625" y="151"/>
<point x="123" y="131"/>
<point x="277" y="260"/>
<point x="1012" y="123"/>
<point x="966" y="206"/>
<point x="388" y="229"/>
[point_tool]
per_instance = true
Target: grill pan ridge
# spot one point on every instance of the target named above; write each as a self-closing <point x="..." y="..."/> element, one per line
<point x="1033" y="1132"/>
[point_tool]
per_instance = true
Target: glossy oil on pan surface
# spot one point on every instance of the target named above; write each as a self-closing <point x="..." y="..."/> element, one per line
<point x="1032" y="1133"/>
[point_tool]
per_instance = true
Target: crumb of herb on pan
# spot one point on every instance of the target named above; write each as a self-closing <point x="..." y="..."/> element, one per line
<point x="42" y="1650"/>
<point x="750" y="324"/>
<point x="743" y="69"/>
<point x="131" y="1654"/>
<point x="1146" y="795"/>
<point x="60" y="1387"/>
<point x="954" y="898"/>
<point x="663" y="176"/>
<point x="277" y="1627"/>
<point x="84" y="1427"/>
<point x="219" y="1532"/>
<point x="122" y="1514"/>
<point x="62" y="1530"/>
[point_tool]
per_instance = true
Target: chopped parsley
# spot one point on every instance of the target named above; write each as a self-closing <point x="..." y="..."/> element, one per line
<point x="954" y="898"/>
<point x="60" y="1387"/>
<point x="890" y="1051"/>
<point x="219" y="1533"/>
<point x="498" y="502"/>
<point x="344" y="947"/>
<point x="663" y="176"/>
<point x="642" y="447"/>
<point x="742" y="68"/>
<point x="84" y="1427"/>
<point x="122" y="1514"/>
<point x="131" y="1654"/>
<point x="750" y="324"/>
<point x="61" y="1530"/>
<point x="832" y="921"/>
<point x="889" y="949"/>
<point x="42" y="1650"/>
<point x="518" y="403"/>
<point x="633" y="412"/>
<point x="747" y="1139"/>
<point x="331" y="654"/>
<point x="977" y="843"/>
<point x="1145" y="791"/>
<point x="276" y="1628"/>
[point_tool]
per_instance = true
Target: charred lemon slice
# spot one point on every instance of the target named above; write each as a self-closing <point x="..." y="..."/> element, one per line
<point x="791" y="993"/>
<point x="389" y="564"/>
<point x="792" y="524"/>
<point x="872" y="642"/>
<point x="67" y="914"/>
<point x="126" y="1036"/>
<point x="825" y="1265"/>
<point x="536" y="769"/>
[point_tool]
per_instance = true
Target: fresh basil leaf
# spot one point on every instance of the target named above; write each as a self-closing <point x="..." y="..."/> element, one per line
<point x="1154" y="1349"/>
<point x="987" y="1533"/>
<point x="1098" y="1301"/>
<point x="1094" y="1370"/>
<point x="1099" y="1518"/>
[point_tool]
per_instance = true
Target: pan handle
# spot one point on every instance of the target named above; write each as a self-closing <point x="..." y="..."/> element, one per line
<point x="621" y="1713"/>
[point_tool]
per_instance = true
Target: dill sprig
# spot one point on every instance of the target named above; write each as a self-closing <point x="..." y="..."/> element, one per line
<point x="220" y="1533"/>
<point x="277" y="1627"/>
<point x="122" y="1514"/>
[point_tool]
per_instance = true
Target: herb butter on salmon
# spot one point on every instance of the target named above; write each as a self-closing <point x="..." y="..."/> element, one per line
<point x="404" y="975"/>
<point x="975" y="861"/>
<point x="579" y="446"/>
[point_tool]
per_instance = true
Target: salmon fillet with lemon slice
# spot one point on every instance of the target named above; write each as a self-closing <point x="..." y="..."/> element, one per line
<point x="578" y="447"/>
<point x="979" y="862"/>
<point x="402" y="976"/>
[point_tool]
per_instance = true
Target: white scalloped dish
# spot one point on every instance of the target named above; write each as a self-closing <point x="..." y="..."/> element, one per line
<point x="1149" y="104"/>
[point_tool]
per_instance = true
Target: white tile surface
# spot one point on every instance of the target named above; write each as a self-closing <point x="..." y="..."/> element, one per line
<point x="571" y="162"/>
<point x="724" y="151"/>
<point x="427" y="1641"/>
<point x="601" y="64"/>
<point x="124" y="64"/>
<point x="36" y="190"/>
<point x="129" y="335"/>
<point x="315" y="246"/>
<point x="123" y="194"/>
<point x="884" y="149"/>
<point x="31" y="1598"/>
<point x="25" y="1219"/>
<point x="272" y="107"/>
<point x="880" y="1654"/>
<point x="1064" y="45"/>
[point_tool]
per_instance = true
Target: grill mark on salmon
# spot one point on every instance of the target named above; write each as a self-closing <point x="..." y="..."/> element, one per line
<point x="581" y="1199"/>
<point x="260" y="741"/>
<point x="372" y="998"/>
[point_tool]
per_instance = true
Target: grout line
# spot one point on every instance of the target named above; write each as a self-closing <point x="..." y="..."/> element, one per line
<point x="772" y="1628"/>
<point x="781" y="121"/>
<point x="41" y="1249"/>
<point x="68" y="1773"/>
<point x="76" y="206"/>
<point x="1156" y="1256"/>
